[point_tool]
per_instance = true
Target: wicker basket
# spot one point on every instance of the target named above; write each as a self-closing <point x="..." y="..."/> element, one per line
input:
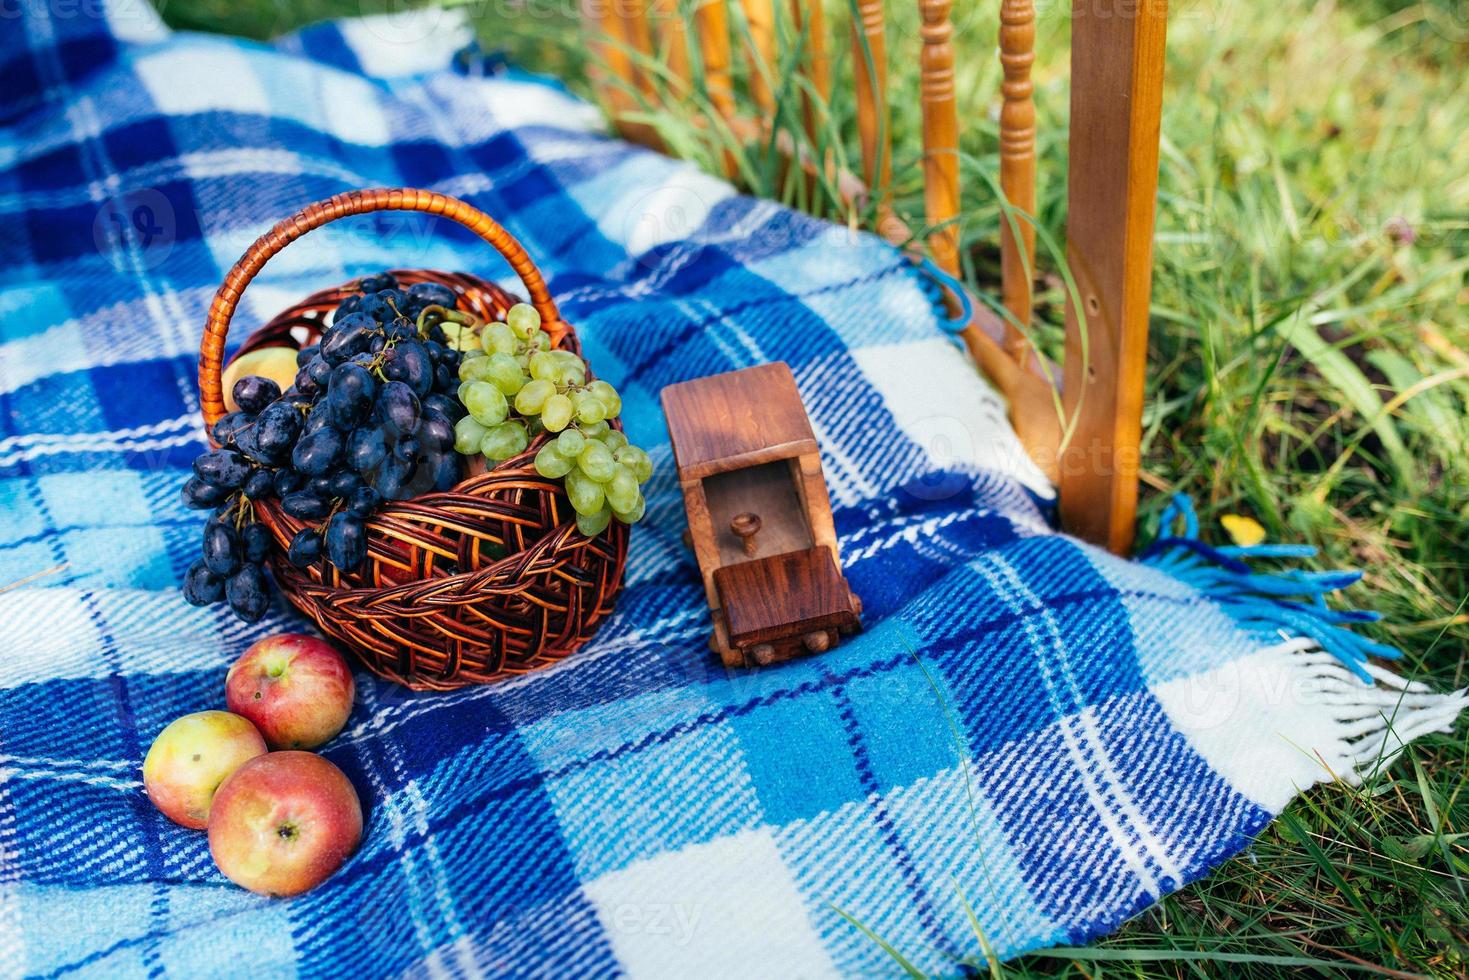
<point x="484" y="581"/>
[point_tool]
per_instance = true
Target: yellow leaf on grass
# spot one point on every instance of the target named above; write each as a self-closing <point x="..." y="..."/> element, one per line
<point x="1243" y="531"/>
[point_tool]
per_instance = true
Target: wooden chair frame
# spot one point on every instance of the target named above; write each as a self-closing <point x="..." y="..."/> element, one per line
<point x="1091" y="448"/>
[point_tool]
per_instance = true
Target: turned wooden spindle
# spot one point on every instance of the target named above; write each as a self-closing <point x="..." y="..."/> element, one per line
<point x="809" y="20"/>
<point x="672" y="37"/>
<point x="745" y="526"/>
<point x="760" y="16"/>
<point x="940" y="133"/>
<point x="611" y="68"/>
<point x="873" y="129"/>
<point x="1017" y="166"/>
<point x="637" y="31"/>
<point x="711" y="25"/>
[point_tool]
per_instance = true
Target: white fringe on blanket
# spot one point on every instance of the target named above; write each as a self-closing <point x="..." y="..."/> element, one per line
<point x="1293" y="715"/>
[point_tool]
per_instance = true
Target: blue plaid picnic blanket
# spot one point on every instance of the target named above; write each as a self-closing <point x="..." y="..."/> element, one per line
<point x="1031" y="742"/>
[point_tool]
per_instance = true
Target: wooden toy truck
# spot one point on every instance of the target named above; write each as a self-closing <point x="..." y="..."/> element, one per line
<point x="759" y="516"/>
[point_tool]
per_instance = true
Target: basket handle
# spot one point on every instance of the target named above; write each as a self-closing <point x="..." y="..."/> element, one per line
<point x="222" y="310"/>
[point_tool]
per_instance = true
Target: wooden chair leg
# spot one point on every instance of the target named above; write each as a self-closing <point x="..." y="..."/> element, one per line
<point x="1116" y="102"/>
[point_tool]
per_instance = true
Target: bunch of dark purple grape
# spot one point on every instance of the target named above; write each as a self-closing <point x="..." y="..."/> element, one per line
<point x="369" y="418"/>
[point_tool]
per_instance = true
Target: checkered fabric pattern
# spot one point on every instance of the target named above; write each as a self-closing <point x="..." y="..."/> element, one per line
<point x="1031" y="742"/>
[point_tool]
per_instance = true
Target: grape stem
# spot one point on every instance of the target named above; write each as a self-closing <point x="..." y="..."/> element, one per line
<point x="240" y="504"/>
<point x="462" y="317"/>
<point x="375" y="366"/>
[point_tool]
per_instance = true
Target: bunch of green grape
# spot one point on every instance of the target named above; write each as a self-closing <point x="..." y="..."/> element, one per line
<point x="515" y="387"/>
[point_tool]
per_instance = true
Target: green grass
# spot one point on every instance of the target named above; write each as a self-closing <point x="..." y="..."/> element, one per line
<point x="260" y="19"/>
<point x="1309" y="367"/>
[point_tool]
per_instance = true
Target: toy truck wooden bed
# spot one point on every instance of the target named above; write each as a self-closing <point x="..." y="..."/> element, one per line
<point x="759" y="516"/>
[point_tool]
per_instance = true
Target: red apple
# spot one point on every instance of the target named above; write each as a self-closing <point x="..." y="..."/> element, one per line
<point x="191" y="757"/>
<point x="297" y="689"/>
<point x="283" y="823"/>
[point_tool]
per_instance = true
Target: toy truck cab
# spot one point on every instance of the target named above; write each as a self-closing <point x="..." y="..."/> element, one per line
<point x="759" y="516"/>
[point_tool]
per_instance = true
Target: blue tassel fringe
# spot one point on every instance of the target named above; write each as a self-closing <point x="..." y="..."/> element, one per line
<point x="1292" y="602"/>
<point x="934" y="281"/>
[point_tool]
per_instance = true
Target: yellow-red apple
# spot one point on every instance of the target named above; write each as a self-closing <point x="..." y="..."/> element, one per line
<point x="191" y="757"/>
<point x="283" y="823"/>
<point x="297" y="689"/>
